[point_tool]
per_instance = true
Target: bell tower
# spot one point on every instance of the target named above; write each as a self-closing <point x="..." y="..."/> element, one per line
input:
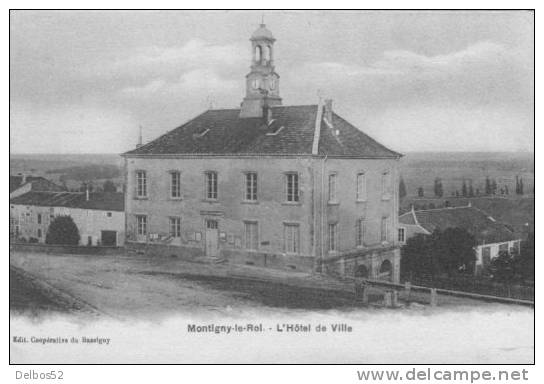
<point x="262" y="82"/>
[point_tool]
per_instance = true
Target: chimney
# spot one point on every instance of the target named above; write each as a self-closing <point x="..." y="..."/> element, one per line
<point x="267" y="112"/>
<point x="139" y="139"/>
<point x="327" y="113"/>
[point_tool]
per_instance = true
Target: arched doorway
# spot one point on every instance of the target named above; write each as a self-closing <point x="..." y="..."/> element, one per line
<point x="386" y="271"/>
<point x="362" y="271"/>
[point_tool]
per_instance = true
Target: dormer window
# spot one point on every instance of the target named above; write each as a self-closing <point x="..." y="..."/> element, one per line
<point x="201" y="134"/>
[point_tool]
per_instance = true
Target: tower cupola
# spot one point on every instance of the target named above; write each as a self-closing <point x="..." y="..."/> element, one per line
<point x="262" y="82"/>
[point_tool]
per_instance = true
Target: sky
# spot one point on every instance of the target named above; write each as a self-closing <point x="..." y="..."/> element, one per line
<point x="85" y="81"/>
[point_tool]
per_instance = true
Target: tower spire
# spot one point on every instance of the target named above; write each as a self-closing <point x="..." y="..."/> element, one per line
<point x="262" y="82"/>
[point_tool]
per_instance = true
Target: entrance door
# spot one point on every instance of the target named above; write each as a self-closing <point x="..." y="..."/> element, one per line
<point x="212" y="237"/>
<point x="109" y="238"/>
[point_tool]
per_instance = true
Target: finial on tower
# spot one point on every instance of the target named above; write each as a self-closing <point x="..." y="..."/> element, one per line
<point x="140" y="141"/>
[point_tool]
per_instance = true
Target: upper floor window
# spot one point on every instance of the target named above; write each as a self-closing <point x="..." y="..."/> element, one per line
<point x="332" y="188"/>
<point x="39" y="218"/>
<point x="211" y="185"/>
<point x="175" y="226"/>
<point x="251" y="238"/>
<point x="175" y="185"/>
<point x="291" y="238"/>
<point x="386" y="184"/>
<point x="291" y="187"/>
<point x="361" y="186"/>
<point x="384" y="232"/>
<point x="141" y="184"/>
<point x="333" y="237"/>
<point x="251" y="186"/>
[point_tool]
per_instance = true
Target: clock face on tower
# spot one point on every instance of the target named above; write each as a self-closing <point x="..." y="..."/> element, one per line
<point x="272" y="84"/>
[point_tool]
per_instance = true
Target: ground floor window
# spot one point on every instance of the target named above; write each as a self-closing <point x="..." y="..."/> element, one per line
<point x="291" y="238"/>
<point x="360" y="235"/>
<point x="175" y="226"/>
<point x="251" y="237"/>
<point x="141" y="223"/>
<point x="333" y="237"/>
<point x="402" y="235"/>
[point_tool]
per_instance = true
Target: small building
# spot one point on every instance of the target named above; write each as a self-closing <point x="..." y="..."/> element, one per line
<point x="492" y="236"/>
<point x="21" y="184"/>
<point x="99" y="216"/>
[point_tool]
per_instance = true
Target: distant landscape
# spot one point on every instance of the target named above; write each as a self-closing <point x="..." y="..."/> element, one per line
<point x="419" y="169"/>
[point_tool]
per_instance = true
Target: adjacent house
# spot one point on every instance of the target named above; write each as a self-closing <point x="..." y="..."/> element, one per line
<point x="296" y="186"/>
<point x="492" y="237"/>
<point x="100" y="217"/>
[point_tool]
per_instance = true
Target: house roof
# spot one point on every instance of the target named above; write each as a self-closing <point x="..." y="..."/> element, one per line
<point x="223" y="132"/>
<point x="482" y="226"/>
<point x="38" y="183"/>
<point x="105" y="201"/>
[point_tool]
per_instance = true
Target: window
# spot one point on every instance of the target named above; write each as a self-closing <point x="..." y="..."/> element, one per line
<point x="141" y="184"/>
<point x="251" y="186"/>
<point x="384" y="235"/>
<point x="39" y="232"/>
<point x="291" y="237"/>
<point x="486" y="256"/>
<point x="175" y="185"/>
<point x="291" y="187"/>
<point x="332" y="187"/>
<point x="333" y="237"/>
<point x="503" y="247"/>
<point x="175" y="226"/>
<point x="141" y="222"/>
<point x="361" y="186"/>
<point x="386" y="184"/>
<point x="39" y="219"/>
<point x="108" y="214"/>
<point x="361" y="229"/>
<point x="212" y="224"/>
<point x="211" y="185"/>
<point x="251" y="239"/>
<point x="402" y="235"/>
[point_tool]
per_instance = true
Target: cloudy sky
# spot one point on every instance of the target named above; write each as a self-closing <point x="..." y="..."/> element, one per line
<point x="82" y="82"/>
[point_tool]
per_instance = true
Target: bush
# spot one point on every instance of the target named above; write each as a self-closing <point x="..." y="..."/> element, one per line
<point x="62" y="231"/>
<point x="33" y="240"/>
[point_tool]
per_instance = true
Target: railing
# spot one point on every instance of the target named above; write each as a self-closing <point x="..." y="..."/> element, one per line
<point x="433" y="291"/>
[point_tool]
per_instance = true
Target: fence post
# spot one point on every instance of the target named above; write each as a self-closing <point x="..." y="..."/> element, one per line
<point x="395" y="299"/>
<point x="433" y="297"/>
<point x="387" y="302"/>
<point x="407" y="289"/>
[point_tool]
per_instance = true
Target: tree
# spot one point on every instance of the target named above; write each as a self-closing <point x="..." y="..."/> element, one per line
<point x="438" y="189"/>
<point x="517" y="185"/>
<point x="109" y="186"/>
<point x="487" y="186"/>
<point x="417" y="256"/>
<point x="464" y="191"/>
<point x="493" y="187"/>
<point x="455" y="250"/>
<point x="503" y="267"/>
<point x="526" y="258"/>
<point x="420" y="192"/>
<point x="470" y="189"/>
<point x="63" y="231"/>
<point x="402" y="189"/>
<point x="520" y="186"/>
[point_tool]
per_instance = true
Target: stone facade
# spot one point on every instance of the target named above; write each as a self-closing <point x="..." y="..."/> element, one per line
<point x="312" y="213"/>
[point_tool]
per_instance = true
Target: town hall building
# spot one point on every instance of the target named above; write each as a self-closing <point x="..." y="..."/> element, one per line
<point x="295" y="187"/>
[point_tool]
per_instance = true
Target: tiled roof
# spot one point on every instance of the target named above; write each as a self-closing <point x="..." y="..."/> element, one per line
<point x="38" y="183"/>
<point x="228" y="134"/>
<point x="482" y="226"/>
<point x="105" y="201"/>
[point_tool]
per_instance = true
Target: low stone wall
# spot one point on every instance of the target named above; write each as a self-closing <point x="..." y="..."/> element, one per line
<point x="68" y="249"/>
<point x="164" y="250"/>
